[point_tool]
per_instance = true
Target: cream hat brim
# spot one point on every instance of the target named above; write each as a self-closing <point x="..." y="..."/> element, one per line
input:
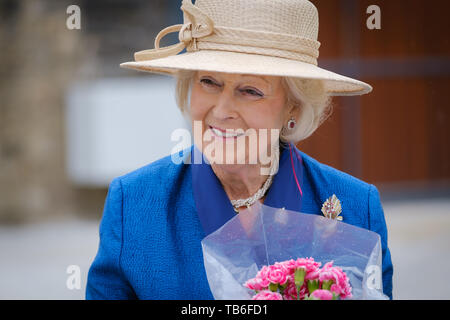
<point x="244" y="63"/>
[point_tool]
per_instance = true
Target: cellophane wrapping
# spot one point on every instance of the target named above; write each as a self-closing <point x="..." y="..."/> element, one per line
<point x="262" y="235"/>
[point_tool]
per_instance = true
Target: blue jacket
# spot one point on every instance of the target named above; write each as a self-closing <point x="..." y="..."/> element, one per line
<point x="155" y="218"/>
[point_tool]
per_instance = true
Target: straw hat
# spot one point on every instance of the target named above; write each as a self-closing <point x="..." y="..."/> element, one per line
<point x="261" y="37"/>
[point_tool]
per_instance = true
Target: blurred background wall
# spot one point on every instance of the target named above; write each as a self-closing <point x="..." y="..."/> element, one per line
<point x="42" y="61"/>
<point x="397" y="137"/>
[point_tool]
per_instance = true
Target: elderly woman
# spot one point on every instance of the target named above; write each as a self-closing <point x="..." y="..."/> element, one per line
<point x="254" y="84"/>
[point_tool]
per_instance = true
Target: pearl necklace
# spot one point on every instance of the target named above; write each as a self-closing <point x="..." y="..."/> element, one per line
<point x="262" y="191"/>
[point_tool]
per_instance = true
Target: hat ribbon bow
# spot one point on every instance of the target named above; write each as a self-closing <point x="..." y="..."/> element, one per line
<point x="199" y="33"/>
<point x="188" y="34"/>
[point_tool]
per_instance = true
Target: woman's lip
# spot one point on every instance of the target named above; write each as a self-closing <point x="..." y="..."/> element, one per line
<point x="218" y="129"/>
<point x="224" y="131"/>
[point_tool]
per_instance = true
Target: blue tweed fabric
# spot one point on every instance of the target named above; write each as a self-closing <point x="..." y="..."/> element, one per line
<point x="151" y="231"/>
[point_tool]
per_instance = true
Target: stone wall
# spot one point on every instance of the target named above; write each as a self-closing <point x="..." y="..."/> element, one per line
<point x="40" y="59"/>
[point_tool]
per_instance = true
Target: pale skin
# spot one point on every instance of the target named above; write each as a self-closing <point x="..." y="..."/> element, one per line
<point x="236" y="101"/>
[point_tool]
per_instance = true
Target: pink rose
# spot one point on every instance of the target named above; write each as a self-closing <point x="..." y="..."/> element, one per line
<point x="308" y="263"/>
<point x="278" y="275"/>
<point x="281" y="276"/>
<point x="289" y="266"/>
<point x="263" y="272"/>
<point x="311" y="267"/>
<point x="340" y="282"/>
<point x="312" y="275"/>
<point x="329" y="272"/>
<point x="267" y="295"/>
<point x="322" y="294"/>
<point x="264" y="283"/>
<point x="290" y="293"/>
<point x="343" y="292"/>
<point x="256" y="284"/>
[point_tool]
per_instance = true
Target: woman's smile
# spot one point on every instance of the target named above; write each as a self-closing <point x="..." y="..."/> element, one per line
<point x="225" y="134"/>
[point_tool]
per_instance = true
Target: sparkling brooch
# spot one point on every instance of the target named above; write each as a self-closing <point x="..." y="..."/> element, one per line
<point x="331" y="208"/>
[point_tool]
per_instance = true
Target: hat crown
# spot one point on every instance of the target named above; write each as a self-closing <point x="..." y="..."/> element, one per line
<point x="264" y="37"/>
<point x="298" y="18"/>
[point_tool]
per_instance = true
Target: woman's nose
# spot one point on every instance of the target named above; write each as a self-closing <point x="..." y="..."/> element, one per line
<point x="225" y="107"/>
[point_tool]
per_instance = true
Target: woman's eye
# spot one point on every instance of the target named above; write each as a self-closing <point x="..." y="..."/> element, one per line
<point x="208" y="82"/>
<point x="253" y="92"/>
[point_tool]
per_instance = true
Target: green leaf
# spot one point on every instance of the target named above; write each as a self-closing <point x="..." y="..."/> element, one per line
<point x="282" y="287"/>
<point x="312" y="285"/>
<point x="326" y="285"/>
<point x="273" y="287"/>
<point x="299" y="277"/>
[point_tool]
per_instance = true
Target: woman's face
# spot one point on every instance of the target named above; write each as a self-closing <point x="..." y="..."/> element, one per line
<point x="241" y="105"/>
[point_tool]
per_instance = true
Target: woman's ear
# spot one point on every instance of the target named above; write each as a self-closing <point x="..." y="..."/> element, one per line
<point x="293" y="111"/>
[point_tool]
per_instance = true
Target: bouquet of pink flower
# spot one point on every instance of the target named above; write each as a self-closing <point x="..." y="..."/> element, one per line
<point x="300" y="279"/>
<point x="242" y="258"/>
